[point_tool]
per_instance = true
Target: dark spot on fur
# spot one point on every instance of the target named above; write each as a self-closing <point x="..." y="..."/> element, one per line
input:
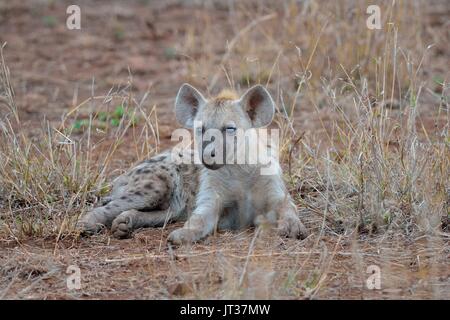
<point x="139" y="171"/>
<point x="162" y="177"/>
<point x="130" y="200"/>
<point x="138" y="193"/>
<point x="154" y="160"/>
<point x="149" y="186"/>
<point x="123" y="197"/>
<point x="146" y="171"/>
<point x="163" y="167"/>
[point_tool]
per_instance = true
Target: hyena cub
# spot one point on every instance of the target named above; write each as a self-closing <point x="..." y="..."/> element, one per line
<point x="218" y="193"/>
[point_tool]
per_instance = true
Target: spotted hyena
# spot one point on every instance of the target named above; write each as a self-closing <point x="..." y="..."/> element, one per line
<point x="216" y="193"/>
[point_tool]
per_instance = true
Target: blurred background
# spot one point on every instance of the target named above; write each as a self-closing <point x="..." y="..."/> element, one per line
<point x="296" y="48"/>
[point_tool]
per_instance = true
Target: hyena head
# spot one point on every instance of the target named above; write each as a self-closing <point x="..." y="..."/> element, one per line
<point x="218" y="121"/>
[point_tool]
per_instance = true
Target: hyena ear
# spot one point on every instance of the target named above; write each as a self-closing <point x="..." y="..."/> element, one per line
<point x="187" y="102"/>
<point x="259" y="106"/>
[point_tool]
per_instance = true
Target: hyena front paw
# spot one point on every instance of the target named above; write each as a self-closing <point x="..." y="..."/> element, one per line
<point x="182" y="236"/>
<point x="292" y="227"/>
<point x="122" y="227"/>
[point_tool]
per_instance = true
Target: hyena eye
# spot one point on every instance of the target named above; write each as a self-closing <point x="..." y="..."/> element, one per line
<point x="230" y="130"/>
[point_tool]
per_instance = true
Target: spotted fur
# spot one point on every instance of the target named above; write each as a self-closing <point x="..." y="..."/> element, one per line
<point x="154" y="192"/>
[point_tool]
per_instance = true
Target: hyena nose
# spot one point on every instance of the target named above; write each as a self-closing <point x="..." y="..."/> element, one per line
<point x="206" y="148"/>
<point x="211" y="158"/>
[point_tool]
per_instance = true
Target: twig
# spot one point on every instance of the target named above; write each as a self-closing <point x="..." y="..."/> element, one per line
<point x="250" y="249"/>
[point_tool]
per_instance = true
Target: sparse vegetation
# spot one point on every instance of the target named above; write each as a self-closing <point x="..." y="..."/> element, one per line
<point x="364" y="118"/>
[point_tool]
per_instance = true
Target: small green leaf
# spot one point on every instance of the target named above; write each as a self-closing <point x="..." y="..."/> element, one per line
<point x="80" y="124"/>
<point x="119" y="32"/>
<point x="105" y="189"/>
<point x="50" y="21"/>
<point x="102" y="116"/>
<point x="170" y="53"/>
<point x="77" y="124"/>
<point x="387" y="218"/>
<point x="438" y="80"/>
<point x="115" y="122"/>
<point x="133" y="119"/>
<point x="119" y="112"/>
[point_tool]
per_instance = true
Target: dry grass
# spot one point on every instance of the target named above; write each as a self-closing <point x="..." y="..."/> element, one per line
<point x="365" y="121"/>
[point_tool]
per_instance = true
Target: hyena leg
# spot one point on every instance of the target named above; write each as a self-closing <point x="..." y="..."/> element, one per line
<point x="201" y="223"/>
<point x="197" y="227"/>
<point x="289" y="224"/>
<point x="98" y="218"/>
<point x="124" y="224"/>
